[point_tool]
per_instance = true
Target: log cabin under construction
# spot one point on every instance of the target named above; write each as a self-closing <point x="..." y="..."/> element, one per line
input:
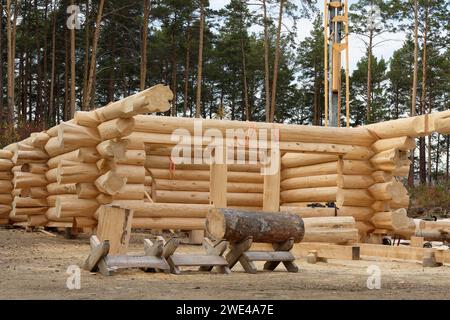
<point x="119" y="155"/>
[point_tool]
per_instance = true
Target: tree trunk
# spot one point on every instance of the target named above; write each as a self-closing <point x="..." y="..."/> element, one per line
<point x="447" y="161"/>
<point x="276" y="62"/>
<point x="234" y="226"/>
<point x="92" y="64"/>
<point x="173" y="110"/>
<point x="1" y="65"/>
<point x="72" y="69"/>
<point x="10" y="33"/>
<point x="86" y="55"/>
<point x="51" y="112"/>
<point x="38" y="111"/>
<point x="187" y="70"/>
<point x="200" y="62"/>
<point x="422" y="144"/>
<point x="244" y="80"/>
<point x="369" y="78"/>
<point x="266" y="61"/>
<point x="416" y="58"/>
<point x="66" y="111"/>
<point x="147" y="8"/>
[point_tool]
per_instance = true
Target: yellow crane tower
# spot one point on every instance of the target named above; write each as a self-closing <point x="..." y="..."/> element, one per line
<point x="336" y="41"/>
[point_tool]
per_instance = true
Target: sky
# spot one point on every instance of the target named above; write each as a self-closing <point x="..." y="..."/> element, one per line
<point x="357" y="48"/>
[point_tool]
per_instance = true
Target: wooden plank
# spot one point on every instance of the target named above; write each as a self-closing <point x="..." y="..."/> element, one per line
<point x="324" y="250"/>
<point x="114" y="224"/>
<point x="402" y="252"/>
<point x="269" y="256"/>
<point x="190" y="260"/>
<point x="118" y="262"/>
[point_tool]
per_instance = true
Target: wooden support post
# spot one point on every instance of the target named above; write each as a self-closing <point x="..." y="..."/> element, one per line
<point x="218" y="185"/>
<point x="114" y="224"/>
<point x="271" y="193"/>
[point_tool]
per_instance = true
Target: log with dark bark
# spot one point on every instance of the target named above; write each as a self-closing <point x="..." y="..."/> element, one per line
<point x="235" y="225"/>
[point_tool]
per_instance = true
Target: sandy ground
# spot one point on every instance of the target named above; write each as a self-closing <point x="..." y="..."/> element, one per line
<point x="33" y="266"/>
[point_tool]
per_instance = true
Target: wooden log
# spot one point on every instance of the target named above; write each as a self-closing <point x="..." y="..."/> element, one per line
<point x="5" y="186"/>
<point x="27" y="180"/>
<point x="5" y="210"/>
<point x="75" y="172"/>
<point x="354" y="181"/>
<point x="56" y="188"/>
<point x="6" y="199"/>
<point x="87" y="155"/>
<point x="38" y="192"/>
<point x="233" y="199"/>
<point x="381" y="176"/>
<point x="359" y="213"/>
<point x="355" y="167"/>
<point x="198" y="185"/>
<point x="84" y="222"/>
<point x="328" y="222"/>
<point x="397" y="221"/>
<point x="113" y="149"/>
<point x="37" y="220"/>
<point x="414" y="127"/>
<point x="324" y="194"/>
<point x="6" y="175"/>
<point x="114" y="225"/>
<point x="400" y="143"/>
<point x="133" y="157"/>
<point x="19" y="202"/>
<point x="402" y="170"/>
<point x="442" y="125"/>
<point x="154" y="99"/>
<point x="54" y="148"/>
<point x="169" y="223"/>
<point x="19" y="212"/>
<point x="388" y="191"/>
<point x="434" y="230"/>
<point x="52" y="175"/>
<point x="104" y="199"/>
<point x="131" y="192"/>
<point x="380" y="206"/>
<point x="24" y="156"/>
<point x="292" y="160"/>
<point x="6" y="154"/>
<point x="185" y="163"/>
<point x="133" y="174"/>
<point x="6" y="164"/>
<point x="74" y="136"/>
<point x="311" y="170"/>
<point x="251" y="177"/>
<point x="110" y="183"/>
<point x="86" y="190"/>
<point x="235" y="226"/>
<point x="116" y="128"/>
<point x="38" y="168"/>
<point x="386" y="160"/>
<point x="331" y="235"/>
<point x="287" y="132"/>
<point x="66" y="207"/>
<point x="307" y="212"/>
<point x="39" y="139"/>
<point x="329" y="180"/>
<point x="382" y="191"/>
<point x="402" y="201"/>
<point x="87" y="118"/>
<point x="354" y="198"/>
